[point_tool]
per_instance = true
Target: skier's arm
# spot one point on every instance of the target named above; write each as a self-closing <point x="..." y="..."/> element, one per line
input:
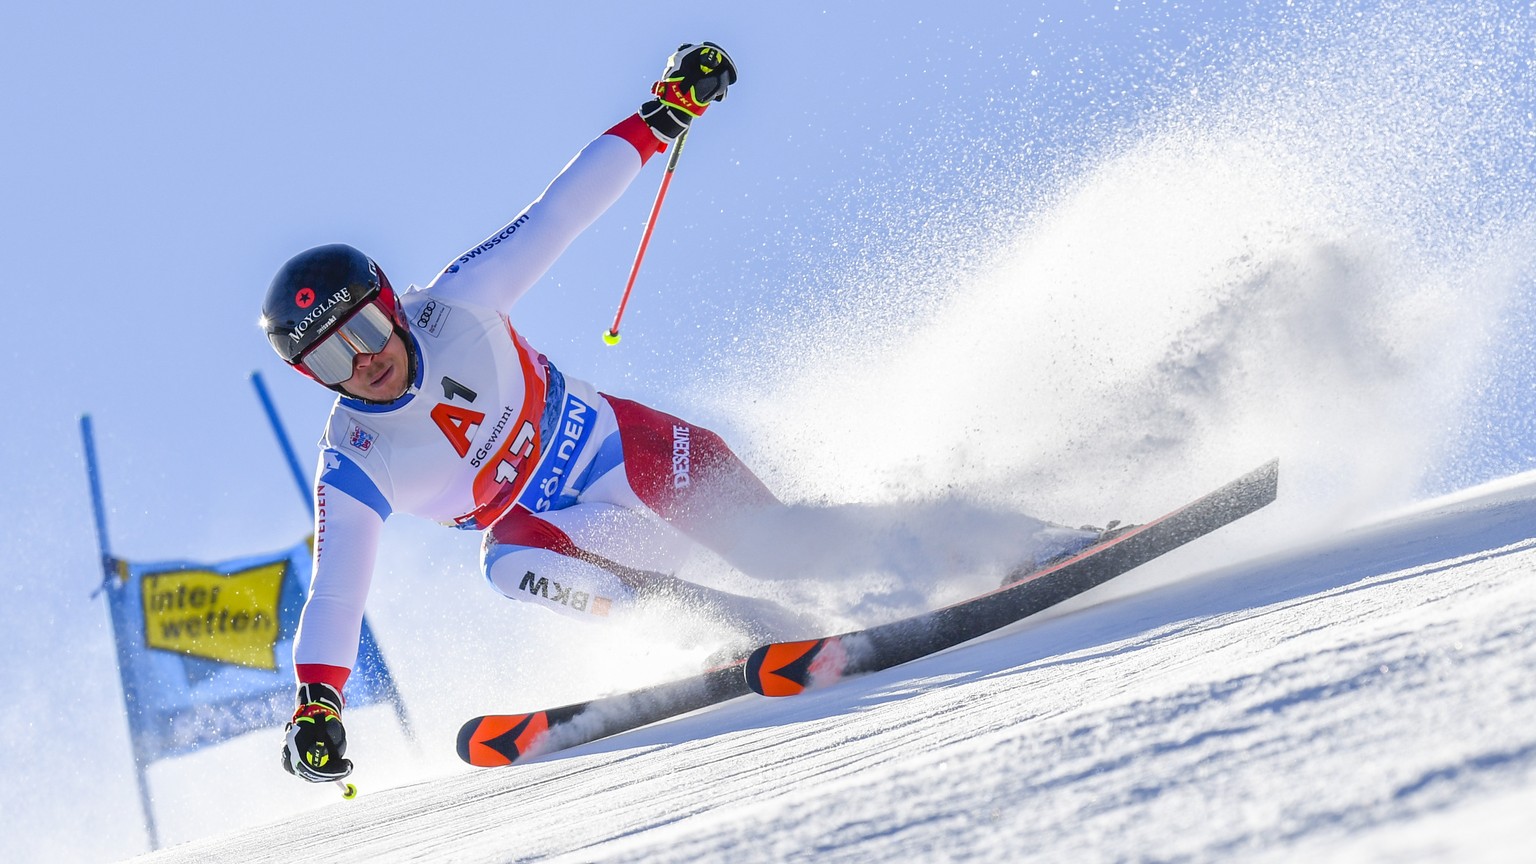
<point x="500" y="269"/>
<point x="349" y="517"/>
<point x="346" y="543"/>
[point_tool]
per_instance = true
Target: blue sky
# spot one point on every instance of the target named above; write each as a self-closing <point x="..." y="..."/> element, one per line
<point x="160" y="160"/>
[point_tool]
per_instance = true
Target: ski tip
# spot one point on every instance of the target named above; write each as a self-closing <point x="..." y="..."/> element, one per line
<point x="1270" y="472"/>
<point x="787" y="668"/>
<point x="466" y="739"/>
<point x="500" y="739"/>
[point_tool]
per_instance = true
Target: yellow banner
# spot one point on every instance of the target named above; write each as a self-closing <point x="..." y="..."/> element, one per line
<point x="231" y="618"/>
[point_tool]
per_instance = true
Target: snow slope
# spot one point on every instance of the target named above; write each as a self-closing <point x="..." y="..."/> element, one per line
<point x="1167" y="255"/>
<point x="1365" y="698"/>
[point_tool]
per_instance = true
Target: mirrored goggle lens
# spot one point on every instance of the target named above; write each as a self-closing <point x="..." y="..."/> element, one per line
<point x="366" y="332"/>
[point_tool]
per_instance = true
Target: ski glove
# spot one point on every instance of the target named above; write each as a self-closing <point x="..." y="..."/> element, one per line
<point x="695" y="76"/>
<point x="316" y="742"/>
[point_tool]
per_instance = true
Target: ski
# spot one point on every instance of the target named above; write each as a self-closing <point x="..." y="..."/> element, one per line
<point x="494" y="740"/>
<point x="789" y="668"/>
<point x="783" y="669"/>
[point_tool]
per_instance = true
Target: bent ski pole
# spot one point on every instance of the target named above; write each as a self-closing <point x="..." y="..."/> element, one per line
<point x="611" y="335"/>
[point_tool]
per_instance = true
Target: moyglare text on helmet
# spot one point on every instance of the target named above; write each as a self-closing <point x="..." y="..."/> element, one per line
<point x="342" y="296"/>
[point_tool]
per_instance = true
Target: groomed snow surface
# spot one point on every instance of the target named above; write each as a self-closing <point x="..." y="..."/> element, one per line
<point x="1368" y="698"/>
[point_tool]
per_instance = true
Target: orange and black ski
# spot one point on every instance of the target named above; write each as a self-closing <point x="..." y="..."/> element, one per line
<point x="502" y="739"/>
<point x="788" y="668"/>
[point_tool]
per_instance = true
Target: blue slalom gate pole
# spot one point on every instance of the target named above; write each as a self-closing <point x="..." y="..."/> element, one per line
<point x="98" y="506"/>
<point x="282" y="441"/>
<point x="109" y="572"/>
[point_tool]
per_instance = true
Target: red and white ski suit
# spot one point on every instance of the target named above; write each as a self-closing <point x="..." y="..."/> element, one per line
<point x="586" y="501"/>
<point x="578" y="493"/>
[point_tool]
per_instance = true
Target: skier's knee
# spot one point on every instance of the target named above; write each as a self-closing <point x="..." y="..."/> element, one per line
<point x="555" y="582"/>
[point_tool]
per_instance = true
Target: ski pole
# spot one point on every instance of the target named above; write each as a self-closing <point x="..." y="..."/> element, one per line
<point x="611" y="335"/>
<point x="348" y="791"/>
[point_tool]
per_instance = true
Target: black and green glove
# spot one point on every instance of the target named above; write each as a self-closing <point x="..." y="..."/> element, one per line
<point x="315" y="746"/>
<point x="696" y="75"/>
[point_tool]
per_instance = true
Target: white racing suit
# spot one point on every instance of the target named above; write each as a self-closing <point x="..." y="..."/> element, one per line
<point x="586" y="501"/>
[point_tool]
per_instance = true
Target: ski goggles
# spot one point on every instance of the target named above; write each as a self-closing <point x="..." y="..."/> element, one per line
<point x="365" y="332"/>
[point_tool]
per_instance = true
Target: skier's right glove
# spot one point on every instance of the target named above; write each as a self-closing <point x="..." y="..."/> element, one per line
<point x="696" y="75"/>
<point x="316" y="742"/>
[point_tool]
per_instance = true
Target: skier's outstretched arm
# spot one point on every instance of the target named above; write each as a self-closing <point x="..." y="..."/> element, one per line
<point x="496" y="272"/>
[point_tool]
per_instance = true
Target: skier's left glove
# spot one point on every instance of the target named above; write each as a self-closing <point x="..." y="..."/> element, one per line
<point x="696" y="75"/>
<point x="316" y="742"/>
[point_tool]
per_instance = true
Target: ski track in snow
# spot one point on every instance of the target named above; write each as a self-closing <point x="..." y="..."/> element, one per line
<point x="1368" y="698"/>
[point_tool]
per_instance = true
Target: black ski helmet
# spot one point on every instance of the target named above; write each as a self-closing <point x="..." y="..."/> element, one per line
<point x="315" y="293"/>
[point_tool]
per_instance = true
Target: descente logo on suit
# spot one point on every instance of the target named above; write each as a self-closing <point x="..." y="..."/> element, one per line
<point x="682" y="446"/>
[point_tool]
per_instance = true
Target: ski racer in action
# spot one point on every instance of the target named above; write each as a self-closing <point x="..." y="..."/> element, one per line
<point x="587" y="502"/>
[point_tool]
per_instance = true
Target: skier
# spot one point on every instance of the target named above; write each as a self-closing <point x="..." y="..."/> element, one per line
<point x="587" y="501"/>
